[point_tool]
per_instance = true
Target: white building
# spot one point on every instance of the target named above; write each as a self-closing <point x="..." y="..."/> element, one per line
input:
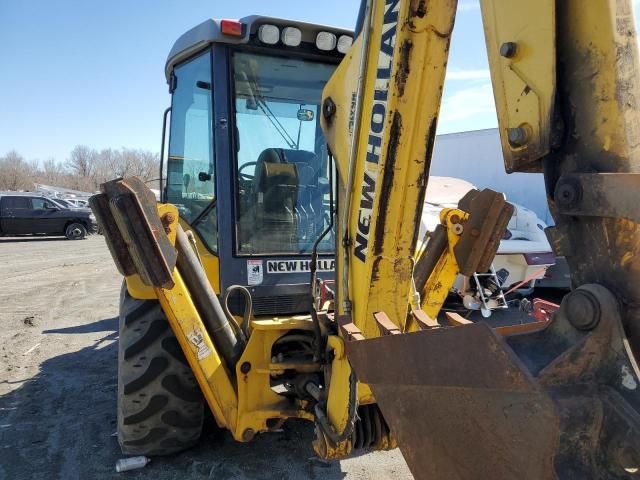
<point x="476" y="156"/>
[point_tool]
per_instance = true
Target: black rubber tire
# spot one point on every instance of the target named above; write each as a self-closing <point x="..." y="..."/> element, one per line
<point x="75" y="231"/>
<point x="160" y="405"/>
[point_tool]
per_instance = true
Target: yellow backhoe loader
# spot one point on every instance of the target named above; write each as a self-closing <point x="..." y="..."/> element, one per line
<point x="278" y="276"/>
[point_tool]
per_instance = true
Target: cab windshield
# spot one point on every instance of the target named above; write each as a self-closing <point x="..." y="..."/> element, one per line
<point x="282" y="168"/>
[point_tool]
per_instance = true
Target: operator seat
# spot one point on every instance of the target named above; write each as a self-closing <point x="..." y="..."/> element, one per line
<point x="286" y="199"/>
<point x="309" y="209"/>
<point x="275" y="191"/>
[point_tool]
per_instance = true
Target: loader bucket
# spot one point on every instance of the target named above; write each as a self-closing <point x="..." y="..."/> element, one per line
<point x="557" y="402"/>
<point x="460" y="404"/>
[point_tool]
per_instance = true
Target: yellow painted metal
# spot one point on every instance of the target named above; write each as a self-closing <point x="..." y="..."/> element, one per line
<point x="523" y="76"/>
<point x="135" y="286"/>
<point x="338" y="390"/>
<point x="137" y="289"/>
<point x="604" y="73"/>
<point x="439" y="283"/>
<point x="203" y="358"/>
<point x="257" y="402"/>
<point x="247" y="405"/>
<point x="403" y="65"/>
<point x="406" y="63"/>
<point x="210" y="261"/>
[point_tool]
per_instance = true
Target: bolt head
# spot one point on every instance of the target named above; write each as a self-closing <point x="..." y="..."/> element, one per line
<point x="568" y="194"/>
<point x="328" y="108"/>
<point x="517" y="136"/>
<point x="168" y="218"/>
<point x="245" y="367"/>
<point x="508" y="49"/>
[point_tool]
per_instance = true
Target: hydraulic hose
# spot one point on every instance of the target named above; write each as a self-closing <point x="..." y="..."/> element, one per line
<point x="248" y="308"/>
<point x="366" y="13"/>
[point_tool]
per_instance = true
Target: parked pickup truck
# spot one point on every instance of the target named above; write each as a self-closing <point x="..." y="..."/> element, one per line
<point x="23" y="214"/>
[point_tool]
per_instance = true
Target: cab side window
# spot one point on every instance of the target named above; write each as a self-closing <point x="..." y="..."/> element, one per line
<point x="41" y="204"/>
<point x="16" y="203"/>
<point x="191" y="166"/>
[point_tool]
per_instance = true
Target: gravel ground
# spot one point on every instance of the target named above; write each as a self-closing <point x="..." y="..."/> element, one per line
<point x="58" y="350"/>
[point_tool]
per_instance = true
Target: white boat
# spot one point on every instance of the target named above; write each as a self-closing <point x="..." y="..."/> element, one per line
<point x="523" y="256"/>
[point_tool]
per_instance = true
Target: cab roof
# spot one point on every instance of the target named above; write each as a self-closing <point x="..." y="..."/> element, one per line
<point x="208" y="32"/>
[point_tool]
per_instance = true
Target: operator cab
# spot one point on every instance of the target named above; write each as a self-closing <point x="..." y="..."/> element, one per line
<point x="248" y="166"/>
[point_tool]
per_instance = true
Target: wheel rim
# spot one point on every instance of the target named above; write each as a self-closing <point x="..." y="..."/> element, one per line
<point x="76" y="232"/>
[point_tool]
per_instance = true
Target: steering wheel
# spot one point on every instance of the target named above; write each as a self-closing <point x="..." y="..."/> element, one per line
<point x="246" y="176"/>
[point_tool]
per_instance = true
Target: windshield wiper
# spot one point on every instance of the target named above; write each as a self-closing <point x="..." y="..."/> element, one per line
<point x="261" y="103"/>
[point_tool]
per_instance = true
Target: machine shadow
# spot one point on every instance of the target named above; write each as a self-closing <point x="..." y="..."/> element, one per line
<point x="26" y="239"/>
<point x="61" y="423"/>
<point x="105" y="325"/>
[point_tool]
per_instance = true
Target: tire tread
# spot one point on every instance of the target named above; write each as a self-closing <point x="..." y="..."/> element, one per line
<point x="160" y="405"/>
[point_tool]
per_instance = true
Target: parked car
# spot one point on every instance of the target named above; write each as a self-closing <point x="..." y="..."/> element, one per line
<point x="29" y="214"/>
<point x="65" y="203"/>
<point x="77" y="202"/>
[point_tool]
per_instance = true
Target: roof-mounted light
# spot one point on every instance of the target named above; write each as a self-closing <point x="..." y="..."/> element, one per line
<point x="326" y="41"/>
<point x="231" y="27"/>
<point x="269" y="34"/>
<point x="344" y="43"/>
<point x="291" y="36"/>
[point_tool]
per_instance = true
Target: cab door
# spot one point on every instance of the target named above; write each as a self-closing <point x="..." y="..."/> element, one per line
<point x="45" y="217"/>
<point x="15" y="215"/>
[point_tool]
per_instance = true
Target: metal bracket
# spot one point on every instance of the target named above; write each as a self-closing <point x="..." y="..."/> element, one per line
<point x="127" y="212"/>
<point x="489" y="214"/>
<point x="612" y="195"/>
<point x="387" y="327"/>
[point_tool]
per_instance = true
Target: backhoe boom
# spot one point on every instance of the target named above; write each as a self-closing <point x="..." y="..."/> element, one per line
<point x="465" y="402"/>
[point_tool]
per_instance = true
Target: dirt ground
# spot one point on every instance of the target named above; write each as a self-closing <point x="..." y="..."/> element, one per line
<point x="58" y="350"/>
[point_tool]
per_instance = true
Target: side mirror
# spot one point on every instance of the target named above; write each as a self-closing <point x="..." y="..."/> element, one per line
<point x="305" y="115"/>
<point x="51" y="207"/>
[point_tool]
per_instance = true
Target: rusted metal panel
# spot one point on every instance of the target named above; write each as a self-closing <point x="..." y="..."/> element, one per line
<point x="612" y="195"/>
<point x="489" y="215"/>
<point x="126" y="209"/>
<point x="100" y="206"/>
<point x="476" y="414"/>
<point x="521" y="328"/>
<point x="543" y="310"/>
<point x="426" y="263"/>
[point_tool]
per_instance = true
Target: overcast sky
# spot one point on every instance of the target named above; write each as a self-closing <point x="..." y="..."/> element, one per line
<point x="91" y="72"/>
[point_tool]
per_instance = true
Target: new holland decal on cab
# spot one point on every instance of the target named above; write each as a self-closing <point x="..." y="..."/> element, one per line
<point x="298" y="266"/>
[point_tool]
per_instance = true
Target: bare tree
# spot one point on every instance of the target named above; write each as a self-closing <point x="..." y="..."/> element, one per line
<point x="85" y="169"/>
<point x="82" y="161"/>
<point x="15" y="172"/>
<point x="126" y="162"/>
<point x="52" y="171"/>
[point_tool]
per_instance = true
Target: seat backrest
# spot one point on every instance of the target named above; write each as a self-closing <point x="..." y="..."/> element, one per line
<point x="275" y="181"/>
